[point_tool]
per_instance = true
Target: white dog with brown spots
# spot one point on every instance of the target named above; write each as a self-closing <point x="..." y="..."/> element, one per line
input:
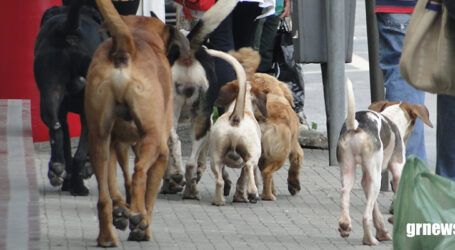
<point x="374" y="139"/>
<point x="235" y="138"/>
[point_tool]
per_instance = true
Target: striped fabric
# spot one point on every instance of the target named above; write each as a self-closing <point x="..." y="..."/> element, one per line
<point x="435" y="5"/>
<point x="395" y="6"/>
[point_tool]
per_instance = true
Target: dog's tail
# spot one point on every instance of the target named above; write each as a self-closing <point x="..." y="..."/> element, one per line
<point x="351" y="122"/>
<point x="210" y="21"/>
<point x="72" y="20"/>
<point x="239" y="107"/>
<point x="123" y="44"/>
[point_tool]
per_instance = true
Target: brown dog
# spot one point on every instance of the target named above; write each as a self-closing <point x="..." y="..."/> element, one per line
<point x="130" y="88"/>
<point x="280" y="132"/>
<point x="279" y="129"/>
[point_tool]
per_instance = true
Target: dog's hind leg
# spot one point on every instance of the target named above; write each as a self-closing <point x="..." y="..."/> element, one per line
<point x="267" y="182"/>
<point x="191" y="191"/>
<point x="295" y="160"/>
<point x="348" y="167"/>
<point x="80" y="165"/>
<point x="240" y="188"/>
<point x="202" y="163"/>
<point x="371" y="183"/>
<point x="173" y="180"/>
<point x="154" y="176"/>
<point x="252" y="188"/>
<point x="120" y="210"/>
<point x="149" y="154"/>
<point x="381" y="232"/>
<point x="49" y="105"/>
<point x="217" y="166"/>
<point x="81" y="159"/>
<point x="227" y="182"/>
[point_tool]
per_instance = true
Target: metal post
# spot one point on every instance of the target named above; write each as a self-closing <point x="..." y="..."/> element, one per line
<point x="376" y="76"/>
<point x="334" y="73"/>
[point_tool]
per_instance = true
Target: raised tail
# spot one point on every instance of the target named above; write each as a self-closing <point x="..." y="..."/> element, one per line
<point x="123" y="44"/>
<point x="239" y="108"/>
<point x="351" y="122"/>
<point x="72" y="20"/>
<point x="209" y="22"/>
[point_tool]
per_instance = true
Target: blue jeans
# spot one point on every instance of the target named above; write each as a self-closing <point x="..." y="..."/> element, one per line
<point x="445" y="137"/>
<point x="392" y="29"/>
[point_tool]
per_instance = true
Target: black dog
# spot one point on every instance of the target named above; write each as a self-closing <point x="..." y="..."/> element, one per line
<point x="68" y="37"/>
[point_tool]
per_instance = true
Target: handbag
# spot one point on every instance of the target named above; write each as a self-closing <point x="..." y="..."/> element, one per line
<point x="284" y="67"/>
<point x="428" y="56"/>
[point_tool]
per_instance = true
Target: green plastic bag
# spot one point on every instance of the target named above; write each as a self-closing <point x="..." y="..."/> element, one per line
<point x="424" y="203"/>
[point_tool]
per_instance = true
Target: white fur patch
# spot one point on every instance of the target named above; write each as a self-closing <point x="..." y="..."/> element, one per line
<point x="194" y="75"/>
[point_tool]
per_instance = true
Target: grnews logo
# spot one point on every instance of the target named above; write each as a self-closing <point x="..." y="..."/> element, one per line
<point x="416" y="229"/>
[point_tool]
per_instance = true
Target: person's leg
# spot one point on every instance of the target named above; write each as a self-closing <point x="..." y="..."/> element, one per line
<point x="221" y="39"/>
<point x="268" y="42"/>
<point x="392" y="29"/>
<point x="445" y="137"/>
<point x="244" y="23"/>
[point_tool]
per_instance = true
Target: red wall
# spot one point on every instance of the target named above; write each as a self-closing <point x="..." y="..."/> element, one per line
<point x="19" y="25"/>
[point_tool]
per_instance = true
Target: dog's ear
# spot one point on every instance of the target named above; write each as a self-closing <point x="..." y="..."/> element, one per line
<point x="420" y="111"/>
<point x="227" y="94"/>
<point x="260" y="103"/>
<point x="287" y="93"/>
<point x="378" y="106"/>
<point x="175" y="37"/>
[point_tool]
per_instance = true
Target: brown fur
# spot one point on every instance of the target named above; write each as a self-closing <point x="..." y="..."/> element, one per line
<point x="279" y="126"/>
<point x="280" y="133"/>
<point x="130" y="71"/>
<point x="414" y="111"/>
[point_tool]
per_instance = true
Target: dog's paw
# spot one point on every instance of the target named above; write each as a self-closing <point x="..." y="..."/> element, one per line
<point x="139" y="228"/>
<point x="108" y="238"/>
<point x="78" y="188"/>
<point x="191" y="192"/>
<point x="173" y="185"/>
<point x="383" y="236"/>
<point x="371" y="241"/>
<point x="294" y="187"/>
<point x="269" y="197"/>
<point x="55" y="173"/>
<point x="253" y="198"/>
<point x="86" y="170"/>
<point x="120" y="217"/>
<point x="240" y="197"/>
<point x="344" y="229"/>
<point x="218" y="202"/>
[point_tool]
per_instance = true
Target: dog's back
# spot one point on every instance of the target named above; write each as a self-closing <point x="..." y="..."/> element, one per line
<point x="68" y="37"/>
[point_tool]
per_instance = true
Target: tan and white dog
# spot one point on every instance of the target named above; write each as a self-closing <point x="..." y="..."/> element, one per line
<point x="235" y="138"/>
<point x="374" y="139"/>
<point x="129" y="96"/>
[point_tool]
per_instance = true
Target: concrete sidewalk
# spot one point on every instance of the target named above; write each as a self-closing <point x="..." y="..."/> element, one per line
<point x="308" y="220"/>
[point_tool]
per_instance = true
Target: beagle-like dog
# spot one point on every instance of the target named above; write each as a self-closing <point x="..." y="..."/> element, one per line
<point x="235" y="138"/>
<point x="195" y="92"/>
<point x="374" y="139"/>
<point x="129" y="81"/>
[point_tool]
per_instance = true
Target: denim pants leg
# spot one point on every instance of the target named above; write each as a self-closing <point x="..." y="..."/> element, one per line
<point x="445" y="137"/>
<point x="392" y="29"/>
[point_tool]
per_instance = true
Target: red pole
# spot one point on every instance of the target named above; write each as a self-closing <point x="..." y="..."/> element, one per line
<point x="19" y="25"/>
